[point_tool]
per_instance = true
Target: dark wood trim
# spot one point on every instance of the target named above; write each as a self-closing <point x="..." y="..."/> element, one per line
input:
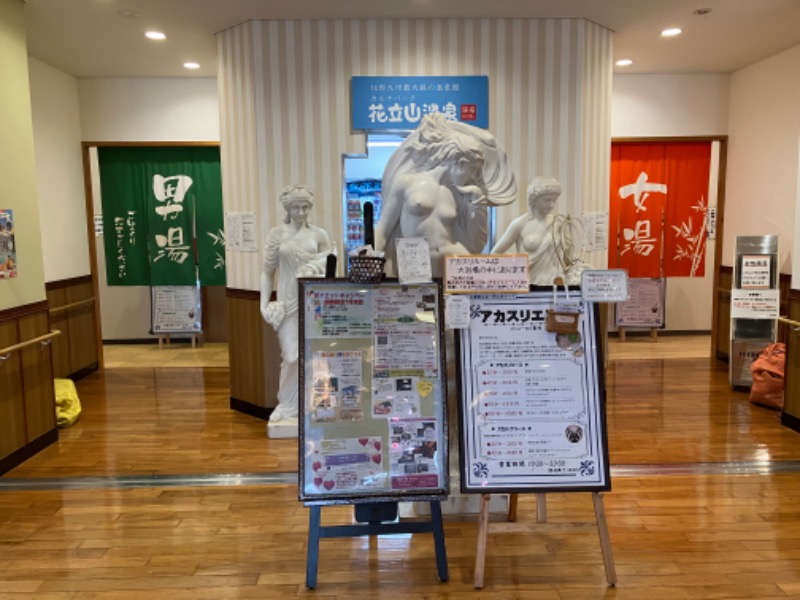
<point x="24" y="310"/>
<point x="667" y="139"/>
<point x="242" y="294"/>
<point x="20" y="455"/>
<point x="91" y="144"/>
<point x="260" y="412"/>
<point x="794" y="295"/>
<point x="81" y="373"/>
<point x="65" y="283"/>
<point x="782" y="277"/>
<point x="88" y="195"/>
<point x="790" y="421"/>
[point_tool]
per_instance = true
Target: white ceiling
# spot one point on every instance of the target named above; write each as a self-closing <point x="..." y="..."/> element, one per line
<point x="105" y="38"/>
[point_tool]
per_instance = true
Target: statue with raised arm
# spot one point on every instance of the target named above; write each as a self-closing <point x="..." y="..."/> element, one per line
<point x="533" y="234"/>
<point x="294" y="249"/>
<point x="438" y="185"/>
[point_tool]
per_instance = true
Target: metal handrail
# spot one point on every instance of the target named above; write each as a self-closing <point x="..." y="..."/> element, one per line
<point x="44" y="340"/>
<point x="66" y="307"/>
<point x="795" y="325"/>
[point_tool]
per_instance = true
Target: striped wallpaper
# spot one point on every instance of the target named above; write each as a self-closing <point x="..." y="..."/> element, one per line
<point x="284" y="102"/>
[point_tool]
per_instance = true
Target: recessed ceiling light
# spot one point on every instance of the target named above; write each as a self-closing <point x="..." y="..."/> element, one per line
<point x="191" y="65"/>
<point x="155" y="35"/>
<point x="671" y="32"/>
<point x="624" y="62"/>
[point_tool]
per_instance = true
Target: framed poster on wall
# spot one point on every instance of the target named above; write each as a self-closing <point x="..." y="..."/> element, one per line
<point x="373" y="416"/>
<point x="531" y="401"/>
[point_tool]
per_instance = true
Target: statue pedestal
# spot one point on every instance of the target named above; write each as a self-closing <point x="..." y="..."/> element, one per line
<point x="283" y="429"/>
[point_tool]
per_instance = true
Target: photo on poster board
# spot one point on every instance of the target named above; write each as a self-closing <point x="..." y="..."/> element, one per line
<point x="373" y="393"/>
<point x="645" y="306"/>
<point x="531" y="401"/>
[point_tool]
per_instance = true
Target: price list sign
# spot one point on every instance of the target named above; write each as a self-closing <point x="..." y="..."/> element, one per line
<point x="532" y="406"/>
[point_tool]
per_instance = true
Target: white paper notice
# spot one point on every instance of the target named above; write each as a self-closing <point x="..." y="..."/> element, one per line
<point x="607" y="285"/>
<point x="240" y="231"/>
<point x="755" y="272"/>
<point x="413" y="260"/>
<point x="595" y="231"/>
<point x="755" y="304"/>
<point x="456" y="312"/>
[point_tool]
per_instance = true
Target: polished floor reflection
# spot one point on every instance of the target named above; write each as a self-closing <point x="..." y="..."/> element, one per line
<point x="173" y="495"/>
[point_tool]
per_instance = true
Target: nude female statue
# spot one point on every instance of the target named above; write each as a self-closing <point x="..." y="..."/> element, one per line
<point x="438" y="185"/>
<point x="293" y="249"/>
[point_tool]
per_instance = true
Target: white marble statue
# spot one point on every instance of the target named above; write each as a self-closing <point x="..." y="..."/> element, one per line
<point x="438" y="185"/>
<point x="532" y="234"/>
<point x="294" y="249"/>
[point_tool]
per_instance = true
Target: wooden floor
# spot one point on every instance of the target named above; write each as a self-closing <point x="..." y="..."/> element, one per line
<point x="705" y="501"/>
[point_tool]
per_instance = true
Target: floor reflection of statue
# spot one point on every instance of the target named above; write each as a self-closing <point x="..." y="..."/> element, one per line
<point x="533" y="234"/>
<point x="438" y="184"/>
<point x="293" y="249"/>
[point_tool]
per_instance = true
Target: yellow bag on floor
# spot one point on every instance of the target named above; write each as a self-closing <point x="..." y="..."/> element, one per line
<point x="68" y="406"/>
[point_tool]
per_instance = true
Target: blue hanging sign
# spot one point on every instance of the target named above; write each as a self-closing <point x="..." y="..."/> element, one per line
<point x="399" y="103"/>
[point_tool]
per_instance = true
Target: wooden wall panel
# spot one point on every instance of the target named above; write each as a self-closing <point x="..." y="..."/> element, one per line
<point x="791" y="408"/>
<point x="12" y="417"/>
<point x="722" y="326"/>
<point x="82" y="329"/>
<point x="245" y="326"/>
<point x="37" y="378"/>
<point x="215" y="309"/>
<point x="60" y="345"/>
<point x="76" y="350"/>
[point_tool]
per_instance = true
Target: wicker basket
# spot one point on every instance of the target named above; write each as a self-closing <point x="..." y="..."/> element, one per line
<point x="366" y="269"/>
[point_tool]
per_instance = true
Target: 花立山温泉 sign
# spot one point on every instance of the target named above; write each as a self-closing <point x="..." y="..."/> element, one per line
<point x="399" y="103"/>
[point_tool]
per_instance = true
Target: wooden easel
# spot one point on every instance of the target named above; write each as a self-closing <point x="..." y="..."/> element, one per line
<point x="541" y="518"/>
<point x="653" y="334"/>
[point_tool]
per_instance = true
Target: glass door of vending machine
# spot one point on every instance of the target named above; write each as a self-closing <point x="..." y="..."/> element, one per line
<point x="362" y="184"/>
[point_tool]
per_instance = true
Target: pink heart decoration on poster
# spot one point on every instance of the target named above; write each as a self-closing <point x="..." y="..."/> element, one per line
<point x="363" y="441"/>
<point x="317" y="481"/>
<point x="378" y="445"/>
<point x="317" y="465"/>
<point x="376" y="458"/>
<point x="329" y="485"/>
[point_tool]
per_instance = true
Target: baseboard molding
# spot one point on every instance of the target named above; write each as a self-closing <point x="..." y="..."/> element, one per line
<point x="790" y="421"/>
<point x="81" y="373"/>
<point x="185" y="338"/>
<point x="30" y="449"/>
<point x="260" y="412"/>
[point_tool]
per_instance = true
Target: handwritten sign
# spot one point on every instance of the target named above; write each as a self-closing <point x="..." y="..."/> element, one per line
<point x="609" y="285"/>
<point x="482" y="273"/>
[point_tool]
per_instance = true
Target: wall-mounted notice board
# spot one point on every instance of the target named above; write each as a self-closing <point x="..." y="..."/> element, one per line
<point x="645" y="304"/>
<point x="373" y="415"/>
<point x="531" y="402"/>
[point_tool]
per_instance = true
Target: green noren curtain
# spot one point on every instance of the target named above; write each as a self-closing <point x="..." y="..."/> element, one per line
<point x="163" y="222"/>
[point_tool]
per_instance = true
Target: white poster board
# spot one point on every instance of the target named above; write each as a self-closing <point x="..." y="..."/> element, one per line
<point x="373" y="418"/>
<point x="176" y="309"/>
<point x="531" y="402"/>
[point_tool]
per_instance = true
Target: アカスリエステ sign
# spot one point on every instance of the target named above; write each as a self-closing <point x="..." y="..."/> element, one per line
<point x="399" y="103"/>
